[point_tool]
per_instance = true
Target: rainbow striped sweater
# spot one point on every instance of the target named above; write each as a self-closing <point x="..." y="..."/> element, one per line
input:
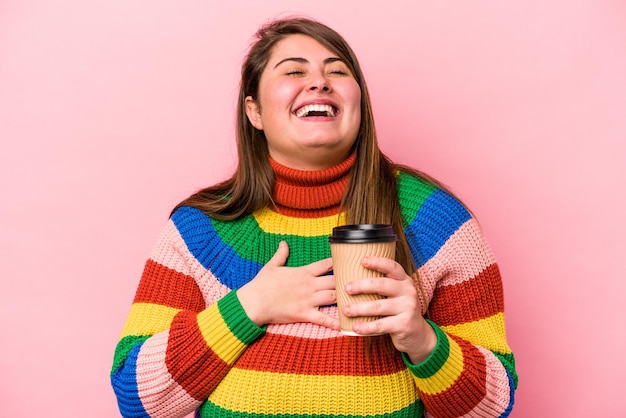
<point x="188" y="344"/>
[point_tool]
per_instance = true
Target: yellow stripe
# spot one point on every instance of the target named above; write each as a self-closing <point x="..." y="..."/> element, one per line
<point x="488" y="333"/>
<point x="275" y="223"/>
<point x="447" y="375"/>
<point x="148" y="319"/>
<point x="217" y="335"/>
<point x="281" y="393"/>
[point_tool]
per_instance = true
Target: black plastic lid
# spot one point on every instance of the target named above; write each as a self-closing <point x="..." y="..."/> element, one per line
<point x="362" y="233"/>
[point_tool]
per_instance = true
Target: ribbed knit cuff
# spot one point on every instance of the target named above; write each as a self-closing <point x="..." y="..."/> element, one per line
<point x="237" y="320"/>
<point x="435" y="360"/>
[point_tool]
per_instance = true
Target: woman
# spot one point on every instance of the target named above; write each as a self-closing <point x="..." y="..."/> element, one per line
<point x="235" y="312"/>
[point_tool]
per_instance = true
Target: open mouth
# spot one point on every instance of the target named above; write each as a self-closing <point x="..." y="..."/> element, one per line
<point x="316" y="110"/>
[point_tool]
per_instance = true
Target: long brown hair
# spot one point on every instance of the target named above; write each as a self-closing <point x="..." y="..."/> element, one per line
<point x="373" y="176"/>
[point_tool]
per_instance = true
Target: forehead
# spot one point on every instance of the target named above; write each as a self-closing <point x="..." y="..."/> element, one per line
<point x="299" y="46"/>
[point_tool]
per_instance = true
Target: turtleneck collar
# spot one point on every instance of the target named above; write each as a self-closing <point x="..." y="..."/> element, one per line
<point x="310" y="193"/>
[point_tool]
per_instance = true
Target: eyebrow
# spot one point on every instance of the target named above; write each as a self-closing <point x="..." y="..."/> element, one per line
<point x="301" y="60"/>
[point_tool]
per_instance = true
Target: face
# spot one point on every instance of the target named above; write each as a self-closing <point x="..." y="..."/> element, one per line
<point x="308" y="105"/>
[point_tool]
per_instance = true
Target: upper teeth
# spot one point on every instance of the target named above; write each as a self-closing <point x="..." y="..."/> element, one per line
<point x="330" y="111"/>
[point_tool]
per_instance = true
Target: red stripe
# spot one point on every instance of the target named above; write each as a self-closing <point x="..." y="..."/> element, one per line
<point x="471" y="300"/>
<point x="164" y="286"/>
<point x="307" y="213"/>
<point x="192" y="363"/>
<point x="467" y="391"/>
<point x="347" y="356"/>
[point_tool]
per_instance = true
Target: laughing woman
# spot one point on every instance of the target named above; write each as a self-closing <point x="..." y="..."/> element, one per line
<point x="235" y="314"/>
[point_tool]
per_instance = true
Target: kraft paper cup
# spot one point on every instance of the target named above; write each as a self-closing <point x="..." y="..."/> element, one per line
<point x="348" y="245"/>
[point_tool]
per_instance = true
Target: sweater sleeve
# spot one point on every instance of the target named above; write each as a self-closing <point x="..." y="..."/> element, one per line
<point x="471" y="372"/>
<point x="177" y="345"/>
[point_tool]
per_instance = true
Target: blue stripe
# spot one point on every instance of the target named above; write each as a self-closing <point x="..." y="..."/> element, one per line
<point x="437" y="219"/>
<point x="205" y="244"/>
<point x="124" y="382"/>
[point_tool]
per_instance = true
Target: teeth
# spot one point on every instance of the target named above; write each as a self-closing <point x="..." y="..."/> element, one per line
<point x="305" y="110"/>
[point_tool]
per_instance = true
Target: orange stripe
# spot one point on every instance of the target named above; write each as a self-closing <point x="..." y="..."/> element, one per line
<point x="467" y="391"/>
<point x="471" y="300"/>
<point x="192" y="364"/>
<point x="161" y="285"/>
<point x="347" y="356"/>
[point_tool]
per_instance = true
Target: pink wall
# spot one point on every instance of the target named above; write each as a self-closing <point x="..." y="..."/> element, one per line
<point x="111" y="112"/>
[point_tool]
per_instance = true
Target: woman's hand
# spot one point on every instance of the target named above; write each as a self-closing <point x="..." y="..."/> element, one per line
<point x="280" y="295"/>
<point x="400" y="310"/>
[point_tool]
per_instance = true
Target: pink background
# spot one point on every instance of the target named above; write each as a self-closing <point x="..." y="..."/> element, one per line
<point x="113" y="111"/>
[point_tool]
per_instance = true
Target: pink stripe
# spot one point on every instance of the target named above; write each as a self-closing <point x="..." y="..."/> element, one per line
<point x="172" y="252"/>
<point x="307" y="330"/>
<point x="448" y="267"/>
<point x="497" y="398"/>
<point x="211" y="288"/>
<point x="160" y="394"/>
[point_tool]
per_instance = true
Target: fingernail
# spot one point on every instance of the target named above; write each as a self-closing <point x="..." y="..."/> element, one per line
<point x="348" y="288"/>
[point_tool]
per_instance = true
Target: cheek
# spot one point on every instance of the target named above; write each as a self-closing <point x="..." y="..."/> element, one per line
<point x="281" y="94"/>
<point x="352" y="95"/>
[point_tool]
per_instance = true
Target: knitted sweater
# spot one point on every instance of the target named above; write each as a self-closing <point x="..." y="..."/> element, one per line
<point x="188" y="343"/>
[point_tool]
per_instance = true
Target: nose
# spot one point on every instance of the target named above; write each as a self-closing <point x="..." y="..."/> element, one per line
<point x="324" y="87"/>
<point x="320" y="83"/>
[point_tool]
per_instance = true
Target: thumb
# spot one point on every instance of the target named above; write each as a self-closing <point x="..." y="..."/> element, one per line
<point x="280" y="256"/>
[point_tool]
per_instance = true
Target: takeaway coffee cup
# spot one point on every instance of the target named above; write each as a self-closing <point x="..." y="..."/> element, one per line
<point x="348" y="245"/>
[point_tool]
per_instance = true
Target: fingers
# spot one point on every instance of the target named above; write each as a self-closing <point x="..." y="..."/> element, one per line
<point x="324" y="297"/>
<point x="280" y="256"/>
<point x="383" y="286"/>
<point x="366" y="328"/>
<point x="324" y="320"/>
<point x="394" y="317"/>
<point x="382" y="307"/>
<point x="386" y="266"/>
<point x="319" y="268"/>
<point x="324" y="283"/>
<point x="399" y="296"/>
<point x="395" y="281"/>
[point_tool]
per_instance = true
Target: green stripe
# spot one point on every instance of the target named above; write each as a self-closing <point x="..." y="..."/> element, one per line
<point x="246" y="237"/>
<point x="412" y="193"/>
<point x="437" y="358"/>
<point x="209" y="409"/>
<point x="124" y="347"/>
<point x="236" y="319"/>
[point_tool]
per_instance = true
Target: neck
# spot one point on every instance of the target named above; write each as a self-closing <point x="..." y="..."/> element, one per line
<point x="304" y="193"/>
